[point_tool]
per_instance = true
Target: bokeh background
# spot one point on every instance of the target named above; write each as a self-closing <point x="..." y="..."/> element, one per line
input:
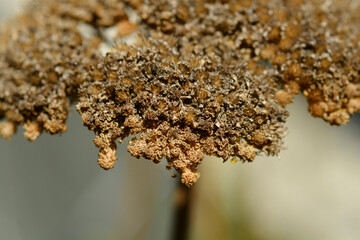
<point x="53" y="189"/>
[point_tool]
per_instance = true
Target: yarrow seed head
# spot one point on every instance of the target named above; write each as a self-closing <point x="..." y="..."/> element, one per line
<point x="204" y="77"/>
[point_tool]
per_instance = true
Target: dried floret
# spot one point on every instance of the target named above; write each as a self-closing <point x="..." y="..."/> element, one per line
<point x="327" y="59"/>
<point x="42" y="63"/>
<point x="7" y="130"/>
<point x="314" y="49"/>
<point x="100" y="13"/>
<point x="170" y="100"/>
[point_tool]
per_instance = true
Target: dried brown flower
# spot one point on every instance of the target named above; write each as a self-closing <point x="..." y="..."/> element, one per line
<point x="43" y="61"/>
<point x="183" y="106"/>
<point x="208" y="77"/>
<point x="314" y="49"/>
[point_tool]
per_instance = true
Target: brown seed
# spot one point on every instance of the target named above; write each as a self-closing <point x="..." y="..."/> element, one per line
<point x="284" y="97"/>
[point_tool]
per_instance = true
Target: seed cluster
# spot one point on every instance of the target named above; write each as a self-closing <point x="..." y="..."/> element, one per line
<point x="205" y="77"/>
<point x="182" y="106"/>
<point x="103" y="13"/>
<point x="315" y="50"/>
<point x="43" y="61"/>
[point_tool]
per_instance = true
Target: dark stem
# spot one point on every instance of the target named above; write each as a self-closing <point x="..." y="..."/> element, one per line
<point x="181" y="222"/>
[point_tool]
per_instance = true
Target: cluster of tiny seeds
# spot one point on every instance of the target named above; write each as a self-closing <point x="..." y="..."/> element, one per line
<point x="101" y="13"/>
<point x="212" y="79"/>
<point x="42" y="63"/>
<point x="182" y="106"/>
<point x="44" y="58"/>
<point x="308" y="50"/>
<point x="324" y="62"/>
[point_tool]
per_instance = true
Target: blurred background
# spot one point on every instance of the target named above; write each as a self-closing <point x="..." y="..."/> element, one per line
<point x="53" y="188"/>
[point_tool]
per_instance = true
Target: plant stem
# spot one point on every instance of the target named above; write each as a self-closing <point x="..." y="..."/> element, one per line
<point x="181" y="222"/>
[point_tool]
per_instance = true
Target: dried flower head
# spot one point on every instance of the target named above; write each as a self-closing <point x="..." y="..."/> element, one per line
<point x="43" y="61"/>
<point x="183" y="106"/>
<point x="315" y="50"/>
<point x="207" y="77"/>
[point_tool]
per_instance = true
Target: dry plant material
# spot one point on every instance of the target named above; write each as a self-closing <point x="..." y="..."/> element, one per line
<point x="44" y="59"/>
<point x="208" y="77"/>
<point x="100" y="13"/>
<point x="183" y="107"/>
<point x="315" y="50"/>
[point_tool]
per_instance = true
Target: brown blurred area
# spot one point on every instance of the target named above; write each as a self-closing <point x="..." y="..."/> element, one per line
<point x="54" y="189"/>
